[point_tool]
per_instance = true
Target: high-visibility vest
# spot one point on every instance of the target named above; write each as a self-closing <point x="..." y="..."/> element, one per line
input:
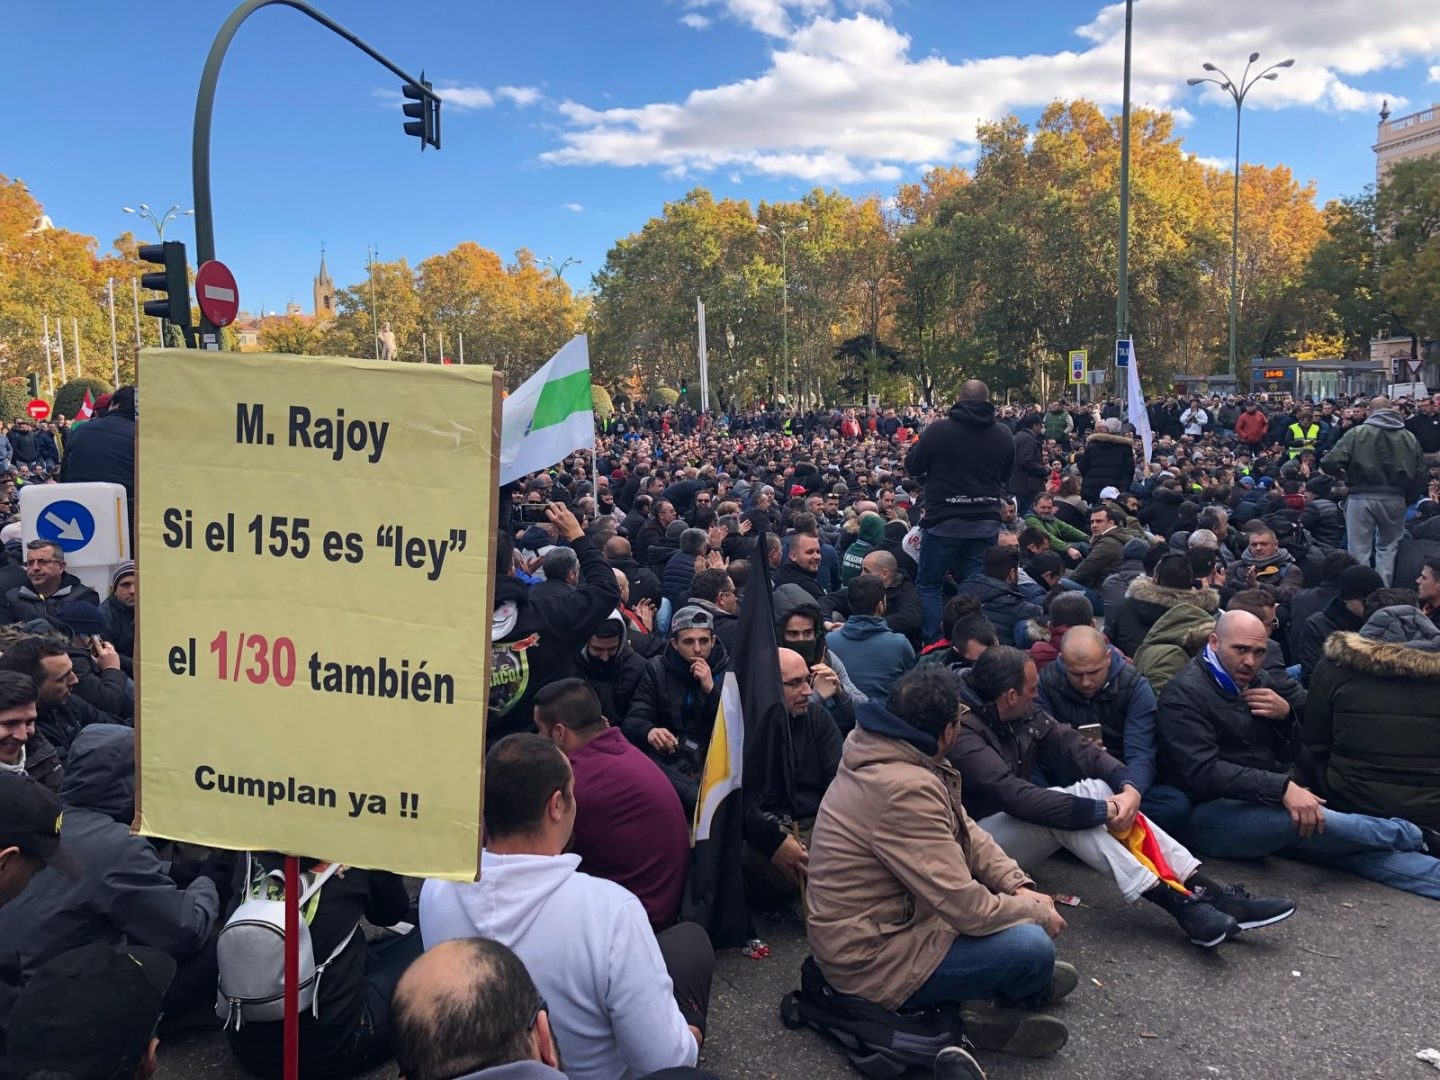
<point x="1307" y="438"/>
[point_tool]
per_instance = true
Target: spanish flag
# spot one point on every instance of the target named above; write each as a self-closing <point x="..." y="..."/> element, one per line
<point x="1146" y="849"/>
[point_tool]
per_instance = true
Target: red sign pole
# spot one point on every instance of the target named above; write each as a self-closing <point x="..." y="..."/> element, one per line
<point x="292" y="968"/>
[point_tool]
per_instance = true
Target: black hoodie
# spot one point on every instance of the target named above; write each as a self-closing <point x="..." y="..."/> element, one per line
<point x="535" y="639"/>
<point x="965" y="462"/>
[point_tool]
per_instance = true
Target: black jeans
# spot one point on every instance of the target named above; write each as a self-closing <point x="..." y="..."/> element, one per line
<point x="259" y="1048"/>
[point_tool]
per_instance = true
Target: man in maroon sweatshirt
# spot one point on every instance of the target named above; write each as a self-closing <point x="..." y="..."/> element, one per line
<point x="629" y="824"/>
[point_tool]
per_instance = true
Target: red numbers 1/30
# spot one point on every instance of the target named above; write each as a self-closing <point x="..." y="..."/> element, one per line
<point x="260" y="659"/>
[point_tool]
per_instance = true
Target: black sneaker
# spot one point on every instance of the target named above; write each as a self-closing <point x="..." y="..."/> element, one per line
<point x="1251" y="912"/>
<point x="955" y="1063"/>
<point x="1062" y="982"/>
<point x="992" y="1026"/>
<point x="1206" y="925"/>
<point x="1430" y="841"/>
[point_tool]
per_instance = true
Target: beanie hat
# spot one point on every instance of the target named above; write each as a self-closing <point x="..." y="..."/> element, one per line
<point x="1358" y="582"/>
<point x="121" y="572"/>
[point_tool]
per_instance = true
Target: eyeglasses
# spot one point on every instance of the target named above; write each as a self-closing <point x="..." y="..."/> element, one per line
<point x="42" y="562"/>
<point x="796" y="684"/>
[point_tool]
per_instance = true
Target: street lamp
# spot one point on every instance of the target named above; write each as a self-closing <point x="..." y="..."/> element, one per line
<point x="559" y="271"/>
<point x="147" y="214"/>
<point x="784" y="231"/>
<point x="1238" y="90"/>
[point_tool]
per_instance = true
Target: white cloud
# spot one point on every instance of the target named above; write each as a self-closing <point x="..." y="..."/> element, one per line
<point x="465" y="97"/>
<point x="519" y="95"/>
<point x="694" y="21"/>
<point x="1435" y="73"/>
<point x="573" y="207"/>
<point x="844" y="99"/>
<point x="1218" y="164"/>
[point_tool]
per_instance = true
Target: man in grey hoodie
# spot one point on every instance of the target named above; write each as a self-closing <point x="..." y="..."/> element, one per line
<point x="1384" y="468"/>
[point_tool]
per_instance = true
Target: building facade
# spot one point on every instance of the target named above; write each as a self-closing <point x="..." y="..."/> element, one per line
<point x="1405" y="137"/>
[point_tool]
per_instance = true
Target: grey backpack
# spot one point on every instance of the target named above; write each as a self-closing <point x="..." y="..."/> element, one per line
<point x="251" y="949"/>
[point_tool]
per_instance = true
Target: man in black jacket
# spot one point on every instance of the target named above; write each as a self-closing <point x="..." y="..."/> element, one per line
<point x="802" y="566"/>
<point x="1002" y="742"/>
<point x="49" y="586"/>
<point x="611" y="667"/>
<point x="103" y="449"/>
<point x="965" y="461"/>
<point x="672" y="713"/>
<point x="1345" y="611"/>
<point x="535" y="640"/>
<point x="1030" y="473"/>
<point x="999" y="594"/>
<point x="1227" y="739"/>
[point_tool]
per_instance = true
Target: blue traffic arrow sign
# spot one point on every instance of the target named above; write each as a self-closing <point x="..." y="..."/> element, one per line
<point x="67" y="523"/>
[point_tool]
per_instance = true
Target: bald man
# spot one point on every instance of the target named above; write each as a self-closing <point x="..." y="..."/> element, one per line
<point x="777" y="851"/>
<point x="964" y="460"/>
<point x="1091" y="682"/>
<point x="902" y="600"/>
<point x="468" y="1009"/>
<point x="1226" y="728"/>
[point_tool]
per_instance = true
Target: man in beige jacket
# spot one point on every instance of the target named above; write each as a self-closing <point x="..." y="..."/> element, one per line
<point x="909" y="902"/>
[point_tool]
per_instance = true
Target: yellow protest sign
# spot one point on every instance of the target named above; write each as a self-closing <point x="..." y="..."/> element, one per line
<point x="315" y="539"/>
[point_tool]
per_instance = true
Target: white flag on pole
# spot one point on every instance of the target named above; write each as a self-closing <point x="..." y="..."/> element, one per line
<point x="550" y="416"/>
<point x="1139" y="415"/>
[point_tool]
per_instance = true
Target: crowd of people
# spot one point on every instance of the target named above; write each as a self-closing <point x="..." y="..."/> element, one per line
<point x="998" y="632"/>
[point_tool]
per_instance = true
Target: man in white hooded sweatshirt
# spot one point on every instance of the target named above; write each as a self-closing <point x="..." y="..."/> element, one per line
<point x="614" y="990"/>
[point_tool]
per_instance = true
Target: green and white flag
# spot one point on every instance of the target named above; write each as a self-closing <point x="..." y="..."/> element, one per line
<point x="550" y="416"/>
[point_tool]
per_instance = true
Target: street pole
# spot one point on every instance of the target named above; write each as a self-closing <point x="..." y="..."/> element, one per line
<point x="783" y="231"/>
<point x="205" y="109"/>
<point x="135" y="290"/>
<point x="374" y="315"/>
<point x="1122" y="298"/>
<point x="75" y="344"/>
<point x="462" y="349"/>
<point x="424" y="349"/>
<point x="49" y="364"/>
<point x="1238" y="91"/>
<point x="114" y="341"/>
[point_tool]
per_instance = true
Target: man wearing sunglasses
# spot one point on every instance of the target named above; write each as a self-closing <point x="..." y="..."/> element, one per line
<point x="49" y="585"/>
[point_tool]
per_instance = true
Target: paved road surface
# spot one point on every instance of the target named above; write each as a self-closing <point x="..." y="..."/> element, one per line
<point x="1347" y="988"/>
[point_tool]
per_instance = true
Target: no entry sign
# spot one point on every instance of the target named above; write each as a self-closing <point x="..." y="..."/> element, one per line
<point x="38" y="410"/>
<point x="217" y="293"/>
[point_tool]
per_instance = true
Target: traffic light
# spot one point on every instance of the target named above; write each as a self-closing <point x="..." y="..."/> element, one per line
<point x="34" y="381"/>
<point x="423" y="107"/>
<point x="684" y="387"/>
<point x="174" y="282"/>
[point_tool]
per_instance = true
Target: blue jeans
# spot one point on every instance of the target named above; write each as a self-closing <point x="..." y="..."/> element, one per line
<point x="938" y="555"/>
<point x="1386" y="850"/>
<point x="1016" y="965"/>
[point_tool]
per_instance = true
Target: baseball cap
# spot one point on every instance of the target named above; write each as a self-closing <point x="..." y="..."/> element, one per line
<point x="30" y="820"/>
<point x="1110" y="493"/>
<point x="89" y="1013"/>
<point x="691" y="617"/>
<point x="1247" y="481"/>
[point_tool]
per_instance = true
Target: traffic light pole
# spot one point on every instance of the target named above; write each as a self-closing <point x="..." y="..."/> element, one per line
<point x="205" y="107"/>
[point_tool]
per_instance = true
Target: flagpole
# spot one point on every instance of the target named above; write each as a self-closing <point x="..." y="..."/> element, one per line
<point x="75" y="344"/>
<point x="60" y="348"/>
<point x="114" y="342"/>
<point x="135" y="289"/>
<point x="462" y="349"/>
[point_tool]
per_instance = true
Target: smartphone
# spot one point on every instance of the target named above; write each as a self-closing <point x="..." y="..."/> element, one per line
<point x="533" y="514"/>
<point x="1091" y="731"/>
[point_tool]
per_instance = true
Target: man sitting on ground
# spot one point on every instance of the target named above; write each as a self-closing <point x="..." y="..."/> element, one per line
<point x="910" y="903"/>
<point x="873" y="654"/>
<point x="1091" y="683"/>
<point x="587" y="942"/>
<point x="1224" y="737"/>
<point x="629" y="825"/>
<point x="1005" y="739"/>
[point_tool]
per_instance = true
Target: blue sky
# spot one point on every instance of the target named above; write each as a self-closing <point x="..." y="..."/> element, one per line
<point x="569" y="124"/>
